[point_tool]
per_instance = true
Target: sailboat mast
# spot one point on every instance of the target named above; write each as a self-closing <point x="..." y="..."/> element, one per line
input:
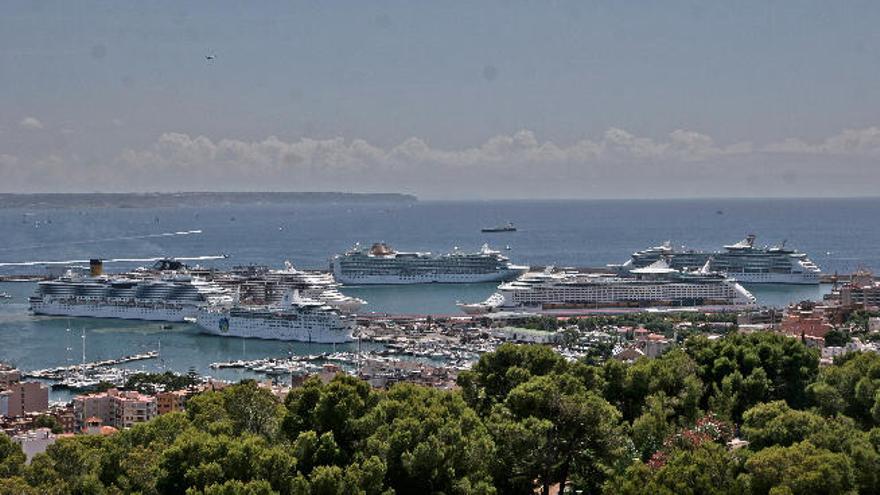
<point x="83" y="366"/>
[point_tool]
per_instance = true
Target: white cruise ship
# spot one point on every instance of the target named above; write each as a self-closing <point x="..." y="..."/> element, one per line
<point x="295" y="318"/>
<point x="170" y="298"/>
<point x="742" y="261"/>
<point x="382" y="265"/>
<point x="656" y="285"/>
<point x="260" y="285"/>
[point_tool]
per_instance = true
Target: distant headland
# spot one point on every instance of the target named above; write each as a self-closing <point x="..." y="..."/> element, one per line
<point x="183" y="199"/>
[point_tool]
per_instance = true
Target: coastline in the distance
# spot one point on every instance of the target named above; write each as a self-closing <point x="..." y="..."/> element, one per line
<point x="180" y="199"/>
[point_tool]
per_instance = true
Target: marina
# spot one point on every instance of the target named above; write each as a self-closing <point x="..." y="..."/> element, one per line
<point x="446" y="248"/>
<point x="258" y="274"/>
<point x="60" y="372"/>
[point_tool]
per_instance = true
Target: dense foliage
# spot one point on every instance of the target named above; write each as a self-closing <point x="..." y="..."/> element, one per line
<point x="524" y="419"/>
<point x="150" y="383"/>
<point x="664" y="323"/>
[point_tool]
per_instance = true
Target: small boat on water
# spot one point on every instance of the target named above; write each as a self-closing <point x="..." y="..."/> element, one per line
<point x="508" y="227"/>
<point x="5" y="295"/>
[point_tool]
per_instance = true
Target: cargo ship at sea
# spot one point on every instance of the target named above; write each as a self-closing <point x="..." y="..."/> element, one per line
<point x="381" y="264"/>
<point x="654" y="286"/>
<point x="294" y="319"/>
<point x="743" y="261"/>
<point x="508" y="227"/>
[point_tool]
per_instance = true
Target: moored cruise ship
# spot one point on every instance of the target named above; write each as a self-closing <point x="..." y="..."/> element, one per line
<point x="170" y="298"/>
<point x="260" y="285"/>
<point x="383" y="265"/>
<point x="743" y="261"/>
<point x="654" y="286"/>
<point x="295" y="318"/>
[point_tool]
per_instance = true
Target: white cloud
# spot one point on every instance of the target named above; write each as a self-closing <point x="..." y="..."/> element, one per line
<point x="864" y="142"/>
<point x="182" y="151"/>
<point x="30" y="123"/>
<point x="616" y="164"/>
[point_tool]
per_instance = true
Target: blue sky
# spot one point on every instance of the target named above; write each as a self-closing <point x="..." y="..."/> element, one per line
<point x="443" y="99"/>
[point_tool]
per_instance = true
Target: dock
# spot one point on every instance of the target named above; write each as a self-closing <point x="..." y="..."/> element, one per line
<point x="58" y="373"/>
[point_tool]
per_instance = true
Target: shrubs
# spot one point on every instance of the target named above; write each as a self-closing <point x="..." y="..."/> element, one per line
<point x="524" y="420"/>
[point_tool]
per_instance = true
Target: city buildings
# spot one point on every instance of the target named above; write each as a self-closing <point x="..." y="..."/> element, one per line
<point x="120" y="409"/>
<point x="17" y="397"/>
<point x="170" y="401"/>
<point x="8" y="375"/>
<point x="862" y="290"/>
<point x="807" y="319"/>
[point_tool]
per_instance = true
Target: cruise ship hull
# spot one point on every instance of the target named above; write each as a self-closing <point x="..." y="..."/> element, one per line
<point x="145" y="313"/>
<point x="777" y="278"/>
<point x="430" y="278"/>
<point x="654" y="286"/>
<point x="615" y="310"/>
<point x="223" y="324"/>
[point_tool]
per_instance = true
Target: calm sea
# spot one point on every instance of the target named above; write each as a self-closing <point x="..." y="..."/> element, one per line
<point x="840" y="235"/>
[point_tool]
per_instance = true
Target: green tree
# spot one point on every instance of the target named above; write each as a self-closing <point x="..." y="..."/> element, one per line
<point x="430" y="441"/>
<point x="837" y="338"/>
<point x="654" y="425"/>
<point x="520" y="447"/>
<point x="851" y="387"/>
<point x="235" y="487"/>
<point x="312" y="451"/>
<point x="801" y="468"/>
<point x="252" y="408"/>
<point x="70" y="465"/>
<point x="48" y="421"/>
<point x="16" y="486"/>
<point x="775" y="423"/>
<point x="150" y="383"/>
<point x="207" y="411"/>
<point x="11" y="457"/>
<point x="333" y="408"/>
<point x="497" y="373"/>
<point x="582" y="430"/>
<point x="673" y="374"/>
<point x="741" y="370"/>
<point x="707" y="468"/>
<point x="841" y="435"/>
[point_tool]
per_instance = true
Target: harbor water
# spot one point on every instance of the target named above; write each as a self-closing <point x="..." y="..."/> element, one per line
<point x="562" y="233"/>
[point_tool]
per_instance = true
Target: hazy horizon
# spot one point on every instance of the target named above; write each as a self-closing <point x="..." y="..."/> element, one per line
<point x="495" y="100"/>
<point x="406" y="196"/>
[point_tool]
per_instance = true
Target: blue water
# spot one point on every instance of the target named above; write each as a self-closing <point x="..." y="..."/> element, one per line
<point x="840" y="235"/>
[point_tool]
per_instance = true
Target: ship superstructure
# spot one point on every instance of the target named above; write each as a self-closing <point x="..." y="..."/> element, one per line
<point x="170" y="298"/>
<point x="260" y="285"/>
<point x="743" y="261"/>
<point x="381" y="264"/>
<point x="295" y="318"/>
<point x="656" y="285"/>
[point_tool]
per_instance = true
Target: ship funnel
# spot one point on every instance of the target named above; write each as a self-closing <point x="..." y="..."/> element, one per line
<point x="96" y="267"/>
<point x="750" y="240"/>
